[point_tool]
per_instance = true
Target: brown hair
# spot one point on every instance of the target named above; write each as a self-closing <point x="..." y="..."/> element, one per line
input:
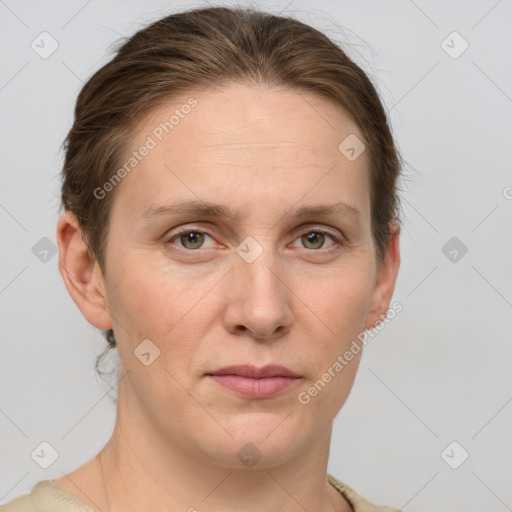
<point x="204" y="47"/>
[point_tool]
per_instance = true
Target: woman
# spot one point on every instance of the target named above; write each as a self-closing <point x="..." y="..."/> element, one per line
<point x="231" y="222"/>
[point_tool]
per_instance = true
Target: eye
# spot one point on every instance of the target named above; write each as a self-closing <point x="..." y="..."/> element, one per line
<point x="315" y="239"/>
<point x="194" y="239"/>
<point x="189" y="239"/>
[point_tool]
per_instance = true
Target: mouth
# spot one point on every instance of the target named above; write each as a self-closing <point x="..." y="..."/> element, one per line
<point x="252" y="382"/>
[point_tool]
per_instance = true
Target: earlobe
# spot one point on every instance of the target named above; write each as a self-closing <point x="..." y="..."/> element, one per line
<point x="386" y="280"/>
<point x="81" y="273"/>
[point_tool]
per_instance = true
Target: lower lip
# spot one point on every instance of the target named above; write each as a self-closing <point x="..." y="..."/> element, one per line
<point x="248" y="387"/>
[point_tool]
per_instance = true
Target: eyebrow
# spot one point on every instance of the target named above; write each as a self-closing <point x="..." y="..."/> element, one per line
<point x="201" y="208"/>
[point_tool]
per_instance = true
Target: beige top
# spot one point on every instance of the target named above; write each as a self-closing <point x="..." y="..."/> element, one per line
<point x="47" y="497"/>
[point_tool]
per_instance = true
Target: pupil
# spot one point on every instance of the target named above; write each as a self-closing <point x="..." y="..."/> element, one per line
<point x="192" y="238"/>
<point x="313" y="238"/>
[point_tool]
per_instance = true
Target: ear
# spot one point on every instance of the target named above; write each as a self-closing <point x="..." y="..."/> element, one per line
<point x="81" y="273"/>
<point x="386" y="279"/>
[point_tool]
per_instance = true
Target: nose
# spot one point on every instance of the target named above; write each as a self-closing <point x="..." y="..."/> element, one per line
<point x="259" y="299"/>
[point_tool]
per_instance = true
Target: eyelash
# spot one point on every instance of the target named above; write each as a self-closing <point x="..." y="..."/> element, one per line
<point x="337" y="240"/>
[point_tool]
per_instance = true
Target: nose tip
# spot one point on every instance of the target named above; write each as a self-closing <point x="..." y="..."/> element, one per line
<point x="260" y="335"/>
<point x="259" y="299"/>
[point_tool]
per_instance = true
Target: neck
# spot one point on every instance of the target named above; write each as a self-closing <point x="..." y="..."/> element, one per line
<point x="144" y="469"/>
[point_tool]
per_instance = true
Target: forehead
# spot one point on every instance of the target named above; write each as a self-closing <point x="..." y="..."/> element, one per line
<point x="237" y="116"/>
<point x="236" y="140"/>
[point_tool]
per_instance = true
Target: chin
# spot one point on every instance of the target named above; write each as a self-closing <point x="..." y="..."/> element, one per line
<point x="257" y="441"/>
<point x="250" y="455"/>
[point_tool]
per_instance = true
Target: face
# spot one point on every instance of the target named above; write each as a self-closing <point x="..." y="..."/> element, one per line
<point x="249" y="283"/>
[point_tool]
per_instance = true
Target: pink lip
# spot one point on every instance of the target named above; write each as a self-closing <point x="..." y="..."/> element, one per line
<point x="247" y="370"/>
<point x="252" y="382"/>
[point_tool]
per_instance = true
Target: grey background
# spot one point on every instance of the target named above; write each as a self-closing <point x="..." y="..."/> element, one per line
<point x="438" y="373"/>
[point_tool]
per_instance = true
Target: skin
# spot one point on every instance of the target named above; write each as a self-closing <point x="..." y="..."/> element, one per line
<point x="259" y="151"/>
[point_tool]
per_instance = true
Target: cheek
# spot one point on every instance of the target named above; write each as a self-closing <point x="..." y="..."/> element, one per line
<point x="336" y="312"/>
<point x="168" y="308"/>
<point x="337" y="302"/>
<point x="152" y="300"/>
<point x="330" y="391"/>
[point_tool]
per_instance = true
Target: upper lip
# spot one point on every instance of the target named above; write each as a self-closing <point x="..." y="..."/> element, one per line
<point x="271" y="370"/>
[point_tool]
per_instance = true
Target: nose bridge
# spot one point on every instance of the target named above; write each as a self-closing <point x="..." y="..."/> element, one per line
<point x="261" y="294"/>
<point x="258" y="267"/>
